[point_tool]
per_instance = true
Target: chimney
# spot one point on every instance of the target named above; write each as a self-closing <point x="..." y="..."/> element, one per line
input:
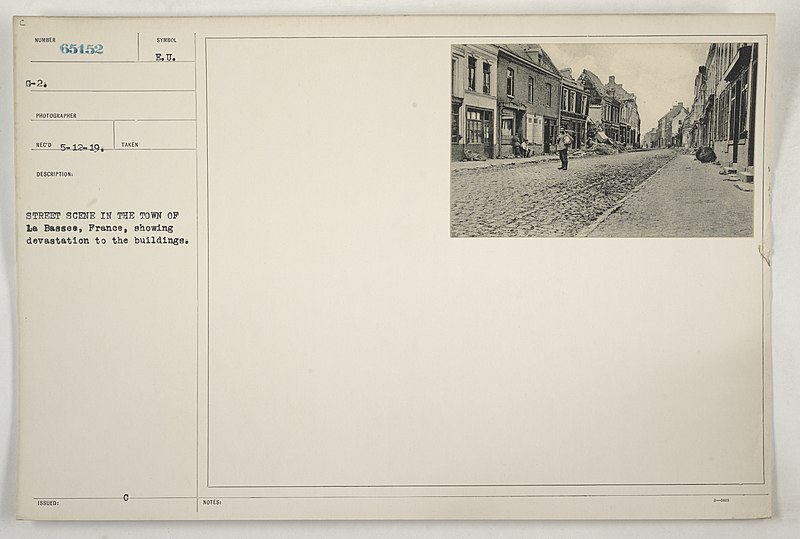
<point x="612" y="79"/>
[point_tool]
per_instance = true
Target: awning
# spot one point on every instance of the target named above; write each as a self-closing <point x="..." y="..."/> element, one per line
<point x="741" y="61"/>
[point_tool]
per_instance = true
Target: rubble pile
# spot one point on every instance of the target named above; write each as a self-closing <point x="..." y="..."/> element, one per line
<point x="704" y="154"/>
<point x="469" y="155"/>
<point x="607" y="148"/>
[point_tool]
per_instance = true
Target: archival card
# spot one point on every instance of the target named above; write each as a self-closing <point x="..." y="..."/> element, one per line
<point x="498" y="267"/>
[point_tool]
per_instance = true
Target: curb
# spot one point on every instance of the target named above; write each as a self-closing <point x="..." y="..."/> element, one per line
<point x="591" y="227"/>
<point x="512" y="162"/>
<point x="500" y="163"/>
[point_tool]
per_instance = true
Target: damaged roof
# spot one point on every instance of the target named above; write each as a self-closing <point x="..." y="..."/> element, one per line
<point x="532" y="53"/>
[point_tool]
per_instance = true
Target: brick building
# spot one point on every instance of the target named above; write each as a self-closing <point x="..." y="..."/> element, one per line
<point x="528" y="89"/>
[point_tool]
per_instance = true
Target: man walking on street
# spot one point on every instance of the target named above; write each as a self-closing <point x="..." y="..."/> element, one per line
<point x="562" y="144"/>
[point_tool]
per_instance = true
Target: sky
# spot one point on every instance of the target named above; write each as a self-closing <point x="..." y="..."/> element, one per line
<point x="660" y="74"/>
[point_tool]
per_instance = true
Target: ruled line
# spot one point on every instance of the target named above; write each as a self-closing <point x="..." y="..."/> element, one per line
<point x="144" y="90"/>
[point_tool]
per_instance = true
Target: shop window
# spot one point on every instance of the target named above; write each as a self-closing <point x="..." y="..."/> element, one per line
<point x="475" y="133"/>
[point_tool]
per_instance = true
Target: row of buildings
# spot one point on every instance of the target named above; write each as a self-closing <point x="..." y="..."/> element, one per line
<point x="722" y="114"/>
<point x="669" y="131"/>
<point x="499" y="91"/>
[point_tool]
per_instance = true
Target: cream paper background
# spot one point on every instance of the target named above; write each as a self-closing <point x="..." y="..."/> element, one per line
<point x="570" y="298"/>
<point x="351" y="343"/>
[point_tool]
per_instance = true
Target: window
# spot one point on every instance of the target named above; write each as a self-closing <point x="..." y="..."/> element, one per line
<point x="487" y="78"/>
<point x="479" y="126"/>
<point x="722" y="116"/>
<point x="572" y="101"/>
<point x="471" y="74"/>
<point x="530" y="89"/>
<point x="510" y="82"/>
<point x="548" y="90"/>
<point x="743" y="116"/>
<point x="564" y="94"/>
<point x="454" y="134"/>
<point x="475" y="132"/>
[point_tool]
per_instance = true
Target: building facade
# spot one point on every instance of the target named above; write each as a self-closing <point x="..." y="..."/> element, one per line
<point x="725" y="91"/>
<point x="528" y="92"/>
<point x="676" y="130"/>
<point x="669" y="126"/>
<point x="574" y="108"/>
<point x="474" y="100"/>
<point x="629" y="123"/>
<point x="650" y="139"/>
<point x="612" y="110"/>
<point x="603" y="107"/>
<point x="502" y="91"/>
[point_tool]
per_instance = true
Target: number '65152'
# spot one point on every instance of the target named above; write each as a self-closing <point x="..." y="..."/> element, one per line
<point x="80" y="48"/>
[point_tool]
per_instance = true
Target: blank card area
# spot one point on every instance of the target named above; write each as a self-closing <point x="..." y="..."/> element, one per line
<point x="351" y="341"/>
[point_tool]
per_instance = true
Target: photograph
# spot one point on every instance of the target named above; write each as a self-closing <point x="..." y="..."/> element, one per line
<point x="603" y="140"/>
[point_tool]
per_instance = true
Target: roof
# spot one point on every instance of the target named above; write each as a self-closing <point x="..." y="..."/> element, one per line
<point x="531" y="53"/>
<point x="619" y="92"/>
<point x="593" y="79"/>
<point x="674" y="111"/>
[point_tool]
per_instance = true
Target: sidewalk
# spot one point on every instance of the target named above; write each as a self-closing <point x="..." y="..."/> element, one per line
<point x="456" y="166"/>
<point x="471" y="165"/>
<point x="685" y="198"/>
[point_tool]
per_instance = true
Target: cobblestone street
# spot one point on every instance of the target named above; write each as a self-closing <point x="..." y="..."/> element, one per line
<point x="536" y="199"/>
<point x="683" y="198"/>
